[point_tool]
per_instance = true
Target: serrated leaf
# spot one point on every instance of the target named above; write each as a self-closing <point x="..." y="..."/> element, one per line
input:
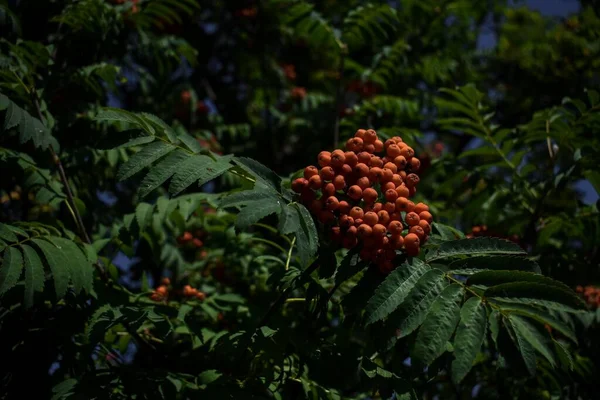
<point x="438" y="326"/>
<point x="162" y="171"/>
<point x="526" y="350"/>
<point x="248" y="196"/>
<point x="144" y="158"/>
<point x="190" y="142"/>
<point x="533" y="336"/>
<point x="100" y="321"/>
<point x="394" y="289"/>
<point x="351" y="265"/>
<point x="81" y="270"/>
<point x="563" y="355"/>
<point x="255" y="211"/>
<point x="7" y="234"/>
<point x="188" y="172"/>
<point x="58" y="265"/>
<point x="539" y="314"/>
<point x="143" y="215"/>
<point x="534" y="290"/>
<point x="34" y="274"/>
<point x="259" y="171"/>
<point x="492" y="278"/>
<point x="469" y="337"/>
<point x="475" y="246"/>
<point x="478" y="263"/>
<point x="307" y="237"/>
<point x="10" y="270"/>
<point x="413" y="310"/>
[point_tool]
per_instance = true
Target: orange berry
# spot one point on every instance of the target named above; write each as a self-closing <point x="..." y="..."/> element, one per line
<point x="376" y="207"/>
<point x="384" y="217"/>
<point x="391" y="195"/>
<point x="402" y="204"/>
<point x="327" y="173"/>
<point x="387" y="176"/>
<point x="338" y="158"/>
<point x="410" y="207"/>
<point x="201" y="296"/>
<point x="426" y="215"/>
<point x="389" y="207"/>
<point x="579" y="289"/>
<point x="388" y="143"/>
<point x="370" y="136"/>
<point x="388" y="185"/>
<point x="369" y="148"/>
<point x="351" y="231"/>
<point x="310" y="171"/>
<point x="351" y="158"/>
<point x="391" y="166"/>
<point x="187" y="236"/>
<point x="395" y="216"/>
<point x="336" y="233"/>
<point x="361" y="169"/>
<point x="376" y="162"/>
<point x="407" y="152"/>
<point x="299" y="184"/>
<point x="411" y="240"/>
<point x="197" y="242"/>
<point x="354" y="144"/>
<point x="420" y="207"/>
<point x="402" y="191"/>
<point x="397" y="241"/>
<point x="417" y="230"/>
<point x="370" y="218"/>
<point x="415" y="164"/>
<point x="355" y="192"/>
<point x="402" y="175"/>
<point x="345" y="221"/>
<point x="165" y="281"/>
<point x="344" y="207"/>
<point x="396" y="180"/>
<point x="357" y="212"/>
<point x="162" y="290"/>
<point x="363" y="183"/>
<point x="412" y="218"/>
<point x="345" y="170"/>
<point x="332" y="203"/>
<point x="324" y="158"/>
<point x="412" y="251"/>
<point x="326" y="217"/>
<point x="369" y="195"/>
<point x="378" y="144"/>
<point x="395" y="227"/>
<point x="400" y="162"/>
<point x="375" y="174"/>
<point x="360" y="133"/>
<point x="412" y="191"/>
<point x="339" y="182"/>
<point x="358" y="222"/>
<point x="187" y="290"/>
<point x="364" y="230"/>
<point x="315" y="182"/>
<point x="364" y="158"/>
<point x="425" y="226"/>
<point x="329" y="189"/>
<point x="412" y="180"/>
<point x="393" y="151"/>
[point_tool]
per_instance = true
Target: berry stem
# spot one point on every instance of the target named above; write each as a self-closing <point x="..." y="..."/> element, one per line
<point x="289" y="256"/>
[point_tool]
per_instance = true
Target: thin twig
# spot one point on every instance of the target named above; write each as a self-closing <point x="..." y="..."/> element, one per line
<point x="289" y="256"/>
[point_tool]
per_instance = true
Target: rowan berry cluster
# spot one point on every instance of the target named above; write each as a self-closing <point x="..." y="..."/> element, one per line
<point x="591" y="295"/>
<point x="362" y="196"/>
<point x="161" y="293"/>
<point x="298" y="93"/>
<point x="482" y="230"/>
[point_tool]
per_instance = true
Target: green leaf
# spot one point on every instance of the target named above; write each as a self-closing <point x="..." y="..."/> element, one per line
<point x="394" y="289"/>
<point x="438" y="326"/>
<point x="255" y="211"/>
<point x="563" y="355"/>
<point x="34" y="274"/>
<point x="475" y="246"/>
<point x="492" y="278"/>
<point x="534" y="291"/>
<point x="162" y="171"/>
<point x="533" y="336"/>
<point x="248" y="196"/>
<point x="58" y="265"/>
<point x="100" y="321"/>
<point x="260" y="172"/>
<point x="478" y="263"/>
<point x="413" y="310"/>
<point x="350" y="266"/>
<point x="469" y="337"/>
<point x="539" y="314"/>
<point x="307" y="237"/>
<point x="81" y="270"/>
<point x="11" y="268"/>
<point x="144" y="158"/>
<point x="7" y="234"/>
<point x="525" y="349"/>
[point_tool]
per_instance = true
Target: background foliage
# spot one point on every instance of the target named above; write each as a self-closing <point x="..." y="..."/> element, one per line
<point x="150" y="139"/>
